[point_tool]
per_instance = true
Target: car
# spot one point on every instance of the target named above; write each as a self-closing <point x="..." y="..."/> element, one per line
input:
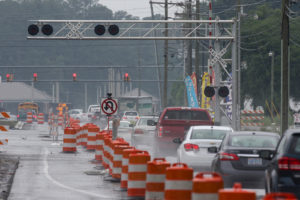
<point x="283" y="172"/>
<point x="131" y="116"/>
<point x="193" y="150"/>
<point x="124" y="126"/>
<point x="78" y="114"/>
<point x="94" y="112"/>
<point x="238" y="157"/>
<point x="144" y="130"/>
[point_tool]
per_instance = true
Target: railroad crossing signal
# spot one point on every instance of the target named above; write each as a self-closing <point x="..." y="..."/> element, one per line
<point x="223" y="91"/>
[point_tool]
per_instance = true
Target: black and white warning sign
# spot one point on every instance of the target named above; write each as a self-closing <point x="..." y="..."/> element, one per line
<point x="109" y="106"/>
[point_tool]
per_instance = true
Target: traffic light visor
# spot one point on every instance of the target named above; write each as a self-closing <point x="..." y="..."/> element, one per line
<point x="209" y="91"/>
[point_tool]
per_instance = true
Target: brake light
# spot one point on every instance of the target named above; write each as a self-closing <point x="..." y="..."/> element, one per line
<point x="228" y="156"/>
<point x="160" y="131"/>
<point x="138" y="131"/>
<point x="18" y="116"/>
<point x="191" y="147"/>
<point x="124" y="117"/>
<point x="136" y="117"/>
<point x="286" y="163"/>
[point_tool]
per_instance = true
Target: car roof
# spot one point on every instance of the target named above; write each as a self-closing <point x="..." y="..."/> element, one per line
<point x="185" y="108"/>
<point x="212" y="127"/>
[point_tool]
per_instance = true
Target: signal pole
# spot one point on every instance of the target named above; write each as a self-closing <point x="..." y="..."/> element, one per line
<point x="284" y="108"/>
<point x="166" y="59"/>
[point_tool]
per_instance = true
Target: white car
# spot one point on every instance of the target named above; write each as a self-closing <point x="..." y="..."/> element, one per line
<point x="78" y="114"/>
<point x="123" y="127"/>
<point x="131" y="116"/>
<point x="93" y="112"/>
<point x="193" y="150"/>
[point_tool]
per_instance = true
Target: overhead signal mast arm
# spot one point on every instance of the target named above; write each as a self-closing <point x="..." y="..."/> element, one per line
<point x="124" y="30"/>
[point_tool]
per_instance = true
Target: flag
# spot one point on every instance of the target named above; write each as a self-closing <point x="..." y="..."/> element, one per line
<point x="190" y="90"/>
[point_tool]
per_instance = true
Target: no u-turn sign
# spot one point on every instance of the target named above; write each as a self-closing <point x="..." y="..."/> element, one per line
<point x="109" y="106"/>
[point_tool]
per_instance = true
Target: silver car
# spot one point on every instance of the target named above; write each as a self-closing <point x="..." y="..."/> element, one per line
<point x="193" y="150"/>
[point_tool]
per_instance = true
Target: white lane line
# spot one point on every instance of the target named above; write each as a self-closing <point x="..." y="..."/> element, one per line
<point x="46" y="171"/>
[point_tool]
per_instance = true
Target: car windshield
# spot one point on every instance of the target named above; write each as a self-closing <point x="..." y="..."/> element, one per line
<point x="143" y="121"/>
<point x="209" y="134"/>
<point x="131" y="113"/>
<point x="253" y="141"/>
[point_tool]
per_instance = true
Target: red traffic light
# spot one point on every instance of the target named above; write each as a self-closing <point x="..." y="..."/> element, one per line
<point x="34" y="76"/>
<point x="126" y="77"/>
<point x="74" y="76"/>
<point x="7" y="77"/>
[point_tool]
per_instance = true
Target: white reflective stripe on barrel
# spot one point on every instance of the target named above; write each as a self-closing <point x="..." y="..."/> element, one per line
<point x="178" y="185"/>
<point x="69" y="136"/>
<point x="204" y="196"/>
<point x="69" y="145"/>
<point x="124" y="177"/>
<point x="136" y="184"/>
<point x="117" y="170"/>
<point x="137" y="168"/>
<point x="156" y="178"/>
<point x="117" y="157"/>
<point x="125" y="161"/>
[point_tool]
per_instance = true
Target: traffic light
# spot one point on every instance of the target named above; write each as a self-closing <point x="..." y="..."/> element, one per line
<point x="126" y="77"/>
<point x="101" y="29"/>
<point x="113" y="29"/>
<point x="223" y="91"/>
<point x="209" y="91"/>
<point x="34" y="77"/>
<point x="33" y="29"/>
<point x="74" y="77"/>
<point x="7" y="77"/>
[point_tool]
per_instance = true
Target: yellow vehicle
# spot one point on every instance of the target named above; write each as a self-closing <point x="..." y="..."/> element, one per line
<point x="25" y="107"/>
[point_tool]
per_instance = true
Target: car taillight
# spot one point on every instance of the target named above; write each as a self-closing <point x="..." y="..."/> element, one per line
<point x="228" y="156"/>
<point x="191" y="147"/>
<point x="124" y="117"/>
<point x="160" y="131"/>
<point x="136" y="117"/>
<point x="286" y="163"/>
<point x="138" y="131"/>
<point x="18" y="116"/>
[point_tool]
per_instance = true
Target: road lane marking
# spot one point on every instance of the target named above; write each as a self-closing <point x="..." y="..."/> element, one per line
<point x="48" y="176"/>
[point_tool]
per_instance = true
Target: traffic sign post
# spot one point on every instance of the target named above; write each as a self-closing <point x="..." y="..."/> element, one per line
<point x="109" y="106"/>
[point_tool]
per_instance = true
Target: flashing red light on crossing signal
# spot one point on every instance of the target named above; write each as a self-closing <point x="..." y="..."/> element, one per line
<point x="34" y="77"/>
<point x="74" y="76"/>
<point x="7" y="77"/>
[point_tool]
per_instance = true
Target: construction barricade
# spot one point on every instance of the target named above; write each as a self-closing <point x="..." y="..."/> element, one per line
<point x="137" y="173"/>
<point x="206" y="186"/>
<point x="236" y="193"/>
<point x="40" y="118"/>
<point x="91" y="138"/>
<point x="252" y="117"/>
<point x="3" y="141"/>
<point x="125" y="162"/>
<point x="69" y="140"/>
<point x="155" y="181"/>
<point x="99" y="155"/>
<point x="179" y="182"/>
<point x="117" y="160"/>
<point x="107" y="140"/>
<point x="29" y="118"/>
<point x="280" y="196"/>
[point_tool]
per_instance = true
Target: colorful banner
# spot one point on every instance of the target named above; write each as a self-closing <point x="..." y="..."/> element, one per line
<point x="191" y="96"/>
<point x="194" y="79"/>
<point x="205" y="100"/>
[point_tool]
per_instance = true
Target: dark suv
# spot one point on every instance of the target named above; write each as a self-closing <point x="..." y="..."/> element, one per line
<point x="283" y="172"/>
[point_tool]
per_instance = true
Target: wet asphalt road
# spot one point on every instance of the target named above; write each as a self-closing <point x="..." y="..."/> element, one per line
<point x="46" y="173"/>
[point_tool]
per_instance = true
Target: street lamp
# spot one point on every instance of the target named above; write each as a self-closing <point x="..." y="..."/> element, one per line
<point x="271" y="54"/>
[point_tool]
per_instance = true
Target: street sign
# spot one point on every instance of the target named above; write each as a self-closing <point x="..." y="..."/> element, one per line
<point x="109" y="106"/>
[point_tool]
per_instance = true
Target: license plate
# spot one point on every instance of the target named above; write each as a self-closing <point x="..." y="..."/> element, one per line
<point x="254" y="161"/>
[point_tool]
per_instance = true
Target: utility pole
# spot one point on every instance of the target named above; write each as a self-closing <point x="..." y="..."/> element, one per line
<point x="188" y="44"/>
<point x="139" y="72"/>
<point x="238" y="82"/>
<point x="166" y="58"/>
<point x="284" y="108"/>
<point x="85" y="97"/>
<point x="197" y="47"/>
<point x="156" y="58"/>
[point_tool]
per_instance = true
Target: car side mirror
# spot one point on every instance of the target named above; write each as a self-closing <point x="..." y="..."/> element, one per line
<point x="213" y="149"/>
<point x="266" y="154"/>
<point x="177" y="140"/>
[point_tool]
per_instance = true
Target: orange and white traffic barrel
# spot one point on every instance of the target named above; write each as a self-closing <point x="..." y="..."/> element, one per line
<point x="125" y="162"/>
<point x="84" y="135"/>
<point x="60" y="120"/>
<point x="117" y="160"/>
<point x="40" y="118"/>
<point x="155" y="181"/>
<point x="69" y="141"/>
<point x="113" y="144"/>
<point x="137" y="173"/>
<point x="29" y="117"/>
<point x="206" y="186"/>
<point x="91" y="138"/>
<point x="236" y="193"/>
<point x="105" y="162"/>
<point x="3" y="142"/>
<point x="77" y="129"/>
<point x="179" y="182"/>
<point x="100" y="145"/>
<point x="280" y="196"/>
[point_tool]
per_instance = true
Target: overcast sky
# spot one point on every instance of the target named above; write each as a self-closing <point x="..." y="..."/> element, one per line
<point x="140" y="8"/>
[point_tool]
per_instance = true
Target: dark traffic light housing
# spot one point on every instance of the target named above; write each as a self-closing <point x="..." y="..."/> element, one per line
<point x="99" y="29"/>
<point x="47" y="29"/>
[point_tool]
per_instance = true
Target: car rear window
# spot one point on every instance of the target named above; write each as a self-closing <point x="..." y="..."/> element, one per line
<point x="143" y="121"/>
<point x="131" y="113"/>
<point x="208" y="134"/>
<point x="295" y="145"/>
<point x="186" y="115"/>
<point x="256" y="141"/>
